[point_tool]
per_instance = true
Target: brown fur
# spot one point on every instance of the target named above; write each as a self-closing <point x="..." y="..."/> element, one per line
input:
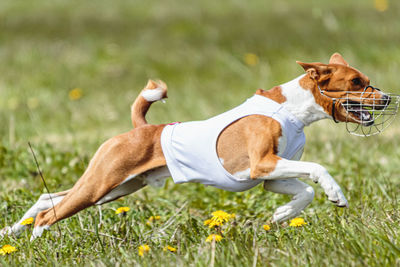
<point x="274" y="93"/>
<point x="134" y="152"/>
<point x="335" y="79"/>
<point x="245" y="141"/>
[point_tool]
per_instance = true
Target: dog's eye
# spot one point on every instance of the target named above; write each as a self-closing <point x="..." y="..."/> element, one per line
<point x="356" y="81"/>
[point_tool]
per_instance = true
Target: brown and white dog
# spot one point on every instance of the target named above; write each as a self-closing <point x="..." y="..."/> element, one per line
<point x="130" y="161"/>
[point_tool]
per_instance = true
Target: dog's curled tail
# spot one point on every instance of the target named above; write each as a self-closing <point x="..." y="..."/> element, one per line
<point x="152" y="92"/>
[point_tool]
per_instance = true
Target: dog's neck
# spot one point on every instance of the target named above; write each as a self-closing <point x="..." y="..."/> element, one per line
<point x="297" y="96"/>
<point x="301" y="101"/>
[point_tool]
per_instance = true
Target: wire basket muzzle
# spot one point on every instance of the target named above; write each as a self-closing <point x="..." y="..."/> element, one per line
<point x="369" y="113"/>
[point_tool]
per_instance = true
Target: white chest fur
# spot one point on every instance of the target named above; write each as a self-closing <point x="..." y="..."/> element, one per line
<point x="301" y="102"/>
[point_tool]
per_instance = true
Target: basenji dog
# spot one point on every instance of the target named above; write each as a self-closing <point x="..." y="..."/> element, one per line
<point x="259" y="141"/>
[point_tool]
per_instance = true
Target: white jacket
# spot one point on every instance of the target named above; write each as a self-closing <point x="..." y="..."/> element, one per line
<point x="190" y="148"/>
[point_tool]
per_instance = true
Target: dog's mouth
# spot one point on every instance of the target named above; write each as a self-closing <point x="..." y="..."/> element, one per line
<point x="359" y="112"/>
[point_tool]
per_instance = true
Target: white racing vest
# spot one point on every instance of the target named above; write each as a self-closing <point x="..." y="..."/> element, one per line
<point x="190" y="148"/>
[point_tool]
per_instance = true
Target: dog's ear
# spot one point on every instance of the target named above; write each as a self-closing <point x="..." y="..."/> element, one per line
<point x="337" y="58"/>
<point x="317" y="71"/>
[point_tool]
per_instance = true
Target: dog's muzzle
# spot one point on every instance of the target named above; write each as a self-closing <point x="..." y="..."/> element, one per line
<point x="370" y="111"/>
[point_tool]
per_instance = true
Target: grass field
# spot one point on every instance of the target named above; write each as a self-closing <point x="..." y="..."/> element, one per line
<point x="212" y="55"/>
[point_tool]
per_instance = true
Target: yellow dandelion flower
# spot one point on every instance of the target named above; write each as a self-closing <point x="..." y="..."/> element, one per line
<point x="266" y="227"/>
<point x="172" y="249"/>
<point x="153" y="218"/>
<point x="219" y="218"/>
<point x="207" y="222"/>
<point x="27" y="221"/>
<point x="297" y="222"/>
<point x="7" y="249"/>
<point x="381" y="5"/>
<point x="221" y="215"/>
<point x="122" y="210"/>
<point x="143" y="249"/>
<point x="210" y="238"/>
<point x="75" y="94"/>
<point x="215" y="222"/>
<point x="250" y="59"/>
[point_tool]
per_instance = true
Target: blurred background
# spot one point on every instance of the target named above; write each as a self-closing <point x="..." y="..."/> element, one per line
<point x="69" y="70"/>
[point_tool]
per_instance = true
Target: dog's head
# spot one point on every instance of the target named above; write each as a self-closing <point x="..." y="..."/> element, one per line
<point x="344" y="92"/>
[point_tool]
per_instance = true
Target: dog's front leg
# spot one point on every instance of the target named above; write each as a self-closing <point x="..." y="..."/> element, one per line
<point x="302" y="193"/>
<point x="272" y="167"/>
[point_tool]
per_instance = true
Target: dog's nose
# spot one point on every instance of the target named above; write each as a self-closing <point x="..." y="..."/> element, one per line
<point x="386" y="99"/>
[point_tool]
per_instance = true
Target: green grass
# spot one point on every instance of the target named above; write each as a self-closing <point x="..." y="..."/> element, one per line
<point x="110" y="49"/>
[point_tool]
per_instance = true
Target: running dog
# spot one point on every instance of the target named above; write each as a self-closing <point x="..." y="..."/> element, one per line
<point x="261" y="140"/>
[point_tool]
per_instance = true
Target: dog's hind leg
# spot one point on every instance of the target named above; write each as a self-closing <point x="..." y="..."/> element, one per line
<point x="114" y="171"/>
<point x="154" y="91"/>
<point x="44" y="202"/>
<point x="155" y="177"/>
<point x="302" y="193"/>
<point x="85" y="193"/>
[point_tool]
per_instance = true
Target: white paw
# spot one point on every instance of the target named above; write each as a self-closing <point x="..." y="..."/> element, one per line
<point x="334" y="193"/>
<point x="285" y="213"/>
<point x="38" y="231"/>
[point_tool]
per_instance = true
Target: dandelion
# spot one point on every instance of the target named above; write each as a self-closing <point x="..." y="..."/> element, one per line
<point x="143" y="249"/>
<point x="172" y="249"/>
<point x="212" y="237"/>
<point x="153" y="218"/>
<point x="7" y="249"/>
<point x="27" y="221"/>
<point x="122" y="210"/>
<point x="381" y="5"/>
<point x="207" y="222"/>
<point x="219" y="218"/>
<point x="222" y="215"/>
<point x="297" y="222"/>
<point x="250" y="59"/>
<point x="75" y="94"/>
<point x="266" y="227"/>
<point x="212" y="223"/>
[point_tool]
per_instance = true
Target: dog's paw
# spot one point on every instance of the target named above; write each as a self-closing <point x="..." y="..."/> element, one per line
<point x="334" y="193"/>
<point x="38" y="231"/>
<point x="285" y="213"/>
<point x="339" y="199"/>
